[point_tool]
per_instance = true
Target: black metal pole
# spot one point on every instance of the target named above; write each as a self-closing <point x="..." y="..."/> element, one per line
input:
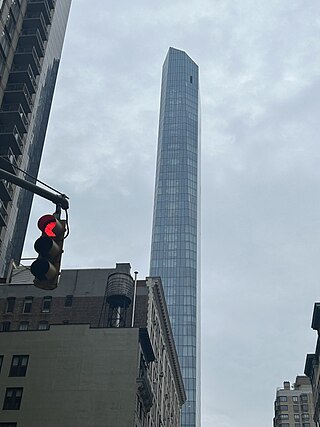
<point x="57" y="199"/>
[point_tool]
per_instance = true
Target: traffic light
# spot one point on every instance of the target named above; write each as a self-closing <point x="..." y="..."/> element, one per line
<point x="46" y="268"/>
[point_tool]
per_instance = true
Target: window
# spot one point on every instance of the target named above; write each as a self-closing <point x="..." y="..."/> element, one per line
<point x="1" y="360"/>
<point x="297" y="417"/>
<point x="283" y="407"/>
<point x="19" y="366"/>
<point x="5" y="326"/>
<point x="304" y="398"/>
<point x="8" y="424"/>
<point x="296" y="425"/>
<point x="12" y="399"/>
<point x="295" y="399"/>
<point x="27" y="306"/>
<point x="305" y="408"/>
<point x="24" y="326"/>
<point x="43" y="325"/>
<point x="305" y="416"/>
<point x="296" y="408"/>
<point x="284" y="416"/>
<point x="305" y="424"/>
<point x="284" y="425"/>
<point x="46" y="304"/>
<point x="68" y="301"/>
<point x="10" y="304"/>
<point x="283" y="398"/>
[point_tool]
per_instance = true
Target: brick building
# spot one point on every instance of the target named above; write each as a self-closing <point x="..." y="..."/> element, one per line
<point x="88" y="354"/>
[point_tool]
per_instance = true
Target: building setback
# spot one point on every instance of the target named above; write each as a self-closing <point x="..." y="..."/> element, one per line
<point x="312" y="364"/>
<point x="175" y="247"/>
<point x="73" y="353"/>
<point x="31" y="39"/>
<point x="293" y="406"/>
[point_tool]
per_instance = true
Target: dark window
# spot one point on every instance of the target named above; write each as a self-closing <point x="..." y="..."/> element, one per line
<point x="24" y="326"/>
<point x="15" y="9"/>
<point x="68" y="301"/>
<point x="1" y="360"/>
<point x="12" y="399"/>
<point x="5" y="326"/>
<point x="66" y="322"/>
<point x="10" y="304"/>
<point x="296" y="408"/>
<point x="46" y="304"/>
<point x="27" y="306"/>
<point x="19" y="366"/>
<point x="296" y="425"/>
<point x="304" y="398"/>
<point x="190" y="79"/>
<point x="43" y="325"/>
<point x="304" y="408"/>
<point x="8" y="424"/>
<point x="306" y="424"/>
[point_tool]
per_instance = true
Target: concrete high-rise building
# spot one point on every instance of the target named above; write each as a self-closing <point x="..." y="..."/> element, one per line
<point x="78" y="357"/>
<point x="175" y="248"/>
<point x="312" y="364"/>
<point x="31" y="39"/>
<point x="293" y="406"/>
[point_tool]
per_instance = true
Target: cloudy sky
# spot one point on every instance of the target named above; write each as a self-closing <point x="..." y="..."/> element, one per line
<point x="260" y="84"/>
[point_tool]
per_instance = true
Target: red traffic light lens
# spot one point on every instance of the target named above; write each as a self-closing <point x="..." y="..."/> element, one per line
<point x="47" y="224"/>
<point x="49" y="229"/>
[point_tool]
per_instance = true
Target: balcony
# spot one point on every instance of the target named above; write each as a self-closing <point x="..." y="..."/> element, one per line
<point x="3" y="215"/>
<point x="41" y="6"/>
<point x="23" y="74"/>
<point x="28" y="55"/>
<point x="51" y="4"/>
<point x="36" y="20"/>
<point x="17" y="93"/>
<point x="10" y="137"/>
<point x="14" y="114"/>
<point x="6" y="191"/>
<point x="31" y="37"/>
<point x="8" y="161"/>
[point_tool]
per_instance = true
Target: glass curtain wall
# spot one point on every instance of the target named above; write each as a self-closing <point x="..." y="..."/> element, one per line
<point x="175" y="238"/>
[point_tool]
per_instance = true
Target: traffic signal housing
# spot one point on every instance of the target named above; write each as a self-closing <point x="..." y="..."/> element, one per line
<point x="46" y="268"/>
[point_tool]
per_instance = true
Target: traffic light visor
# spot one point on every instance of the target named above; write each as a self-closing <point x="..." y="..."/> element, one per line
<point x="50" y="225"/>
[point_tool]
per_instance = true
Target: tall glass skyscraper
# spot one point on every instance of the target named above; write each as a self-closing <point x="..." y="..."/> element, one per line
<point x="31" y="39"/>
<point x="175" y="247"/>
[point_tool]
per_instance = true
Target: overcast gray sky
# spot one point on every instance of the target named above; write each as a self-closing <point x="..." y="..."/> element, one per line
<point x="260" y="81"/>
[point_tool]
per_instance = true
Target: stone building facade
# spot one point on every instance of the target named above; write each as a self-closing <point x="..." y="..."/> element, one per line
<point x="78" y="368"/>
<point x="293" y="406"/>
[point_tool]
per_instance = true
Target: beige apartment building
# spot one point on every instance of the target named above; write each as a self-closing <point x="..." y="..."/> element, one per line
<point x="98" y="351"/>
<point x="293" y="406"/>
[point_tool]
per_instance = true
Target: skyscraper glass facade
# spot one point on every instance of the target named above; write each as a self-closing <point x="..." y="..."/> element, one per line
<point x="175" y="237"/>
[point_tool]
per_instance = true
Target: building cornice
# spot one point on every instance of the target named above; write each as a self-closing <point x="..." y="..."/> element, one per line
<point x="156" y="285"/>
